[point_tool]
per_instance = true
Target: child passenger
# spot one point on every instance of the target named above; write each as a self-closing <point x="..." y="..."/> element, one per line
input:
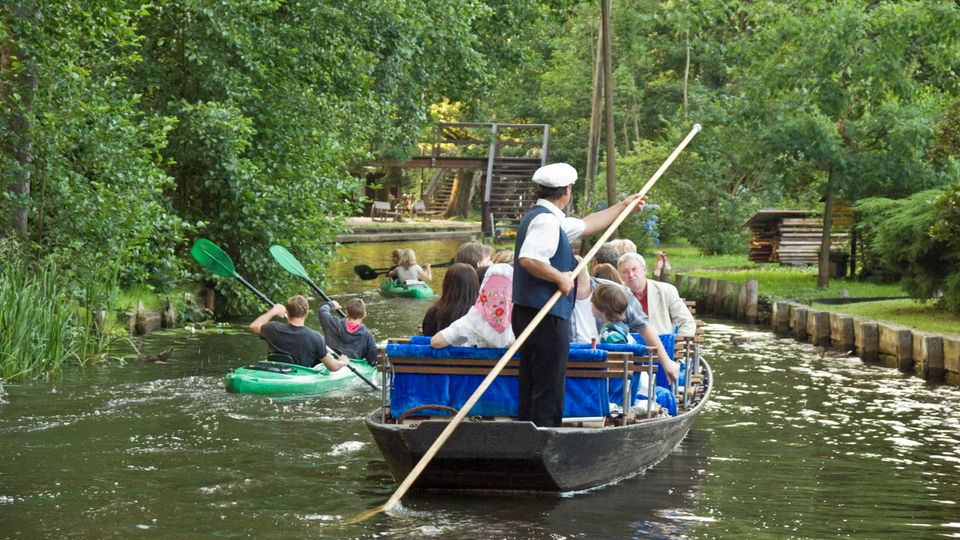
<point x="349" y="335"/>
<point x="610" y="304"/>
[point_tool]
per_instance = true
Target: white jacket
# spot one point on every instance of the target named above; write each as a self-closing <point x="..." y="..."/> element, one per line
<point x="667" y="309"/>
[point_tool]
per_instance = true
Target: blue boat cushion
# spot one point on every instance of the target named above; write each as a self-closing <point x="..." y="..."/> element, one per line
<point x="664" y="394"/>
<point x="584" y="396"/>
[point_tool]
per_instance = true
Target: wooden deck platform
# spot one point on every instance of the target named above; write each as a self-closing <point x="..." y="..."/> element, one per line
<point x="364" y="229"/>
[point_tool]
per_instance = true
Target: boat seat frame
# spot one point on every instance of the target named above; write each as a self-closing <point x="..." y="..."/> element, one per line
<point x="619" y="365"/>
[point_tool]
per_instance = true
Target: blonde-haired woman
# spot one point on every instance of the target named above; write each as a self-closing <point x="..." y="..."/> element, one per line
<point x="408" y="271"/>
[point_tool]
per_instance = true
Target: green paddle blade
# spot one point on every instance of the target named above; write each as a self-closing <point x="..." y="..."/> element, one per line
<point x="211" y="257"/>
<point x="289" y="263"/>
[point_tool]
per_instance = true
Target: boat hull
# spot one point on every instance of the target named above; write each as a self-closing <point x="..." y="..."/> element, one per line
<point x="299" y="381"/>
<point x="518" y="456"/>
<point x="391" y="289"/>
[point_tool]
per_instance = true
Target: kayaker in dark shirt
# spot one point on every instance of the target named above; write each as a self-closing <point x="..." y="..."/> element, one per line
<point x="305" y="345"/>
<point x="349" y="335"/>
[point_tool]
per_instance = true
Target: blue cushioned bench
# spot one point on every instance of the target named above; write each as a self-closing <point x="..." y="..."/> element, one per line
<point x="449" y="376"/>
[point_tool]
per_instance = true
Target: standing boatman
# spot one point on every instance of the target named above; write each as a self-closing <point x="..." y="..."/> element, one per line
<point x="545" y="263"/>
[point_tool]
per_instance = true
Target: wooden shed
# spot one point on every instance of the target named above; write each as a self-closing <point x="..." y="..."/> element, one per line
<point x="792" y="237"/>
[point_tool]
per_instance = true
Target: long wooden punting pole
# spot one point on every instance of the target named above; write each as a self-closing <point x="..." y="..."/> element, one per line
<point x="432" y="451"/>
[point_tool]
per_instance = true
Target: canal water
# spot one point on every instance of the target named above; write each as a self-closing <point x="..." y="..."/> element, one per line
<point x="792" y="445"/>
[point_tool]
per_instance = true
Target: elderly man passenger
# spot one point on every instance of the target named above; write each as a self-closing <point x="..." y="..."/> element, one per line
<point x="660" y="301"/>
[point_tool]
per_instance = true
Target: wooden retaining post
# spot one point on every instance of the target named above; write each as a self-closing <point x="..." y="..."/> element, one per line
<point x="741" y="305"/>
<point x="928" y="356"/>
<point x="798" y="321"/>
<point x="951" y="360"/>
<point x="724" y="291"/>
<point x="896" y="346"/>
<point x="139" y="320"/>
<point x="818" y="327"/>
<point x="693" y="289"/>
<point x="751" y="308"/>
<point x="168" y="317"/>
<point x="708" y="288"/>
<point x="780" y="318"/>
<point x="868" y="341"/>
<point x="841" y="332"/>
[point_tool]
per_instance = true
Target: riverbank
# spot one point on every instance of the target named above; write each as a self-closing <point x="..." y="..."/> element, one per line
<point x="932" y="356"/>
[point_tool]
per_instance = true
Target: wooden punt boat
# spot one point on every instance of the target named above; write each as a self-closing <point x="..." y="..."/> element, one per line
<point x="494" y="455"/>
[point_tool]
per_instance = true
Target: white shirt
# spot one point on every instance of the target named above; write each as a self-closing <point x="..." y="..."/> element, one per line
<point x="408" y="274"/>
<point x="543" y="234"/>
<point x="585" y="321"/>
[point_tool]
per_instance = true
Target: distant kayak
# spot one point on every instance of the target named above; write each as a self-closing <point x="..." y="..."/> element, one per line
<point x="392" y="288"/>
<point x="282" y="379"/>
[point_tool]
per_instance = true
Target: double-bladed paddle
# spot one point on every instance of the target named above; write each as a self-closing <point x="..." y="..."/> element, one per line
<point x="366" y="273"/>
<point x="211" y="257"/>
<point x="290" y="263"/>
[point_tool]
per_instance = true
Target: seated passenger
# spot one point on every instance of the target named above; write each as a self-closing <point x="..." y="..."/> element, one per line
<point x="349" y="335"/>
<point x="487" y="323"/>
<point x="394" y="263"/>
<point x="409" y="272"/>
<point x="608" y="272"/>
<point x="660" y="301"/>
<point x="475" y="254"/>
<point x="293" y="338"/>
<point x="610" y="305"/>
<point x="460" y="291"/>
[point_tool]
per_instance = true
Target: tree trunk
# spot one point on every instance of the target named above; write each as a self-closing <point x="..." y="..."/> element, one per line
<point x="462" y="190"/>
<point x="22" y="82"/>
<point x="686" y="76"/>
<point x="608" y="104"/>
<point x="823" y="272"/>
<point x="594" y="138"/>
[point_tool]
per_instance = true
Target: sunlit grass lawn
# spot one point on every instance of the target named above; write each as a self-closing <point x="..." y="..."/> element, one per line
<point x="907" y="312"/>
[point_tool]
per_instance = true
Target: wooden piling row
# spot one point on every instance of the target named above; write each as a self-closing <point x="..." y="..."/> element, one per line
<point x="934" y="357"/>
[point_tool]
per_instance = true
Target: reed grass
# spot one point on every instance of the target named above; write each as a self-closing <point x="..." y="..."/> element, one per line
<point x="44" y="324"/>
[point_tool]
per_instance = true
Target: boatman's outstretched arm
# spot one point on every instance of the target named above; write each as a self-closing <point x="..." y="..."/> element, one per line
<point x="600" y="220"/>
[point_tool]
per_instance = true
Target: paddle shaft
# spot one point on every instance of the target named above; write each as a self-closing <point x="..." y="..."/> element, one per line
<point x="364" y="272"/>
<point x="432" y="451"/>
<point x="317" y="290"/>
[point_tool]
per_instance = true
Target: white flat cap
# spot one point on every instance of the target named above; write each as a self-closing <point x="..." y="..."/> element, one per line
<point x="555" y="175"/>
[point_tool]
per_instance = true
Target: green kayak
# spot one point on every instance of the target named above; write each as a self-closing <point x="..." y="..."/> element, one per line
<point x="282" y="379"/>
<point x="392" y="288"/>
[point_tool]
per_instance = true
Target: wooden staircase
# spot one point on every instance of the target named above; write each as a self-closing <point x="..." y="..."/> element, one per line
<point x="438" y="193"/>
<point x="509" y="193"/>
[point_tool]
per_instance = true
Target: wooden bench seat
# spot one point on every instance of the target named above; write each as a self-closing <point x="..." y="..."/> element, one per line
<point x="380" y="210"/>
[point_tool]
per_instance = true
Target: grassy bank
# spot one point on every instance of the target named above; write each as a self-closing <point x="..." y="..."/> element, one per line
<point x="800" y="284"/>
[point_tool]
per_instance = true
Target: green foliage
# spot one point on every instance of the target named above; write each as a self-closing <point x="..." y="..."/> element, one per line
<point x="946" y="229"/>
<point x="96" y="180"/>
<point x="897" y="234"/>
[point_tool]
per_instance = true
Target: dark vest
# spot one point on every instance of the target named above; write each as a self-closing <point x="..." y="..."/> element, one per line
<point x="533" y="292"/>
